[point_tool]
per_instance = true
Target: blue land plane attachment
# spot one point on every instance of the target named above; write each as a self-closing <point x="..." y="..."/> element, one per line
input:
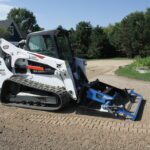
<point x="107" y="99"/>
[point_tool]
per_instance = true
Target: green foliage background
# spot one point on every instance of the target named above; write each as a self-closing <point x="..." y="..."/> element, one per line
<point x="25" y="20"/>
<point x="128" y="38"/>
<point x="132" y="35"/>
<point x="4" y="33"/>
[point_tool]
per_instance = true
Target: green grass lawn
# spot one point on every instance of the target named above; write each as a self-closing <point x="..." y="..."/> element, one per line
<point x="129" y="71"/>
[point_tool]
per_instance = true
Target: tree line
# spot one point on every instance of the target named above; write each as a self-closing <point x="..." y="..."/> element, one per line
<point x="129" y="38"/>
<point x="91" y="42"/>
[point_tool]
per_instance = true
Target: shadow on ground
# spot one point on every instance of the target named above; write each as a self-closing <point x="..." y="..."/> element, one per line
<point x="80" y="110"/>
<point x="74" y="108"/>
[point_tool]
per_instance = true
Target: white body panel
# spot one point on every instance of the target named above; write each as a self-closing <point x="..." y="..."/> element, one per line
<point x="4" y="72"/>
<point x="62" y="77"/>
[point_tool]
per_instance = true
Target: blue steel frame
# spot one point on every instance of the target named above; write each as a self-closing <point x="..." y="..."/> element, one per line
<point x="106" y="102"/>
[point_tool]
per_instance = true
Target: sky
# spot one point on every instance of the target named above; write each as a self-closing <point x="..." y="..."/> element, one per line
<point x="52" y="13"/>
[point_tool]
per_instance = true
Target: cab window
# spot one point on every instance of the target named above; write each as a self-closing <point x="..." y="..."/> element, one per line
<point x="42" y="44"/>
<point x="64" y="47"/>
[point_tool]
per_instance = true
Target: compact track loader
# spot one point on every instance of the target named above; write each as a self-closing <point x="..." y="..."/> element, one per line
<point x="46" y="76"/>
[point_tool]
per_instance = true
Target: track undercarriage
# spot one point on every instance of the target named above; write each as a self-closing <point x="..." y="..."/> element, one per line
<point x="35" y="95"/>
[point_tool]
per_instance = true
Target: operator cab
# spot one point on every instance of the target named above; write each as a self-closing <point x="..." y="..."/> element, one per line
<point x="54" y="43"/>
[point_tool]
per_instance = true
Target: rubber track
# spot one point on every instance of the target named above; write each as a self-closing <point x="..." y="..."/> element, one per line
<point x="60" y="91"/>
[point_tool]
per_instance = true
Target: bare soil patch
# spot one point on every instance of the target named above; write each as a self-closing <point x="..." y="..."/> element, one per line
<point x="31" y="129"/>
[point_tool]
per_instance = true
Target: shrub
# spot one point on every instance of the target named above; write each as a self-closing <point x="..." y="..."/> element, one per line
<point x="142" y="62"/>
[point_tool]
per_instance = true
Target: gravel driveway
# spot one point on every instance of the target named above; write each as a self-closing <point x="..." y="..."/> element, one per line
<point x="31" y="129"/>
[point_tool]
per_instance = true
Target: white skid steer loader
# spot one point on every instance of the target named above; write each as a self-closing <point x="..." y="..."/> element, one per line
<point x="47" y="76"/>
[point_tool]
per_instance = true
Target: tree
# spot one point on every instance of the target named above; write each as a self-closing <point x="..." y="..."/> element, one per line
<point x="114" y="35"/>
<point x="146" y="50"/>
<point x="73" y="40"/>
<point x="83" y="37"/>
<point x="128" y="35"/>
<point x="132" y="32"/>
<point x="4" y="33"/>
<point x="25" y="19"/>
<point x="100" y="46"/>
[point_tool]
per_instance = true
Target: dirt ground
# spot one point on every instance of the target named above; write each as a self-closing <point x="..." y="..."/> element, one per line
<point x="23" y="129"/>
